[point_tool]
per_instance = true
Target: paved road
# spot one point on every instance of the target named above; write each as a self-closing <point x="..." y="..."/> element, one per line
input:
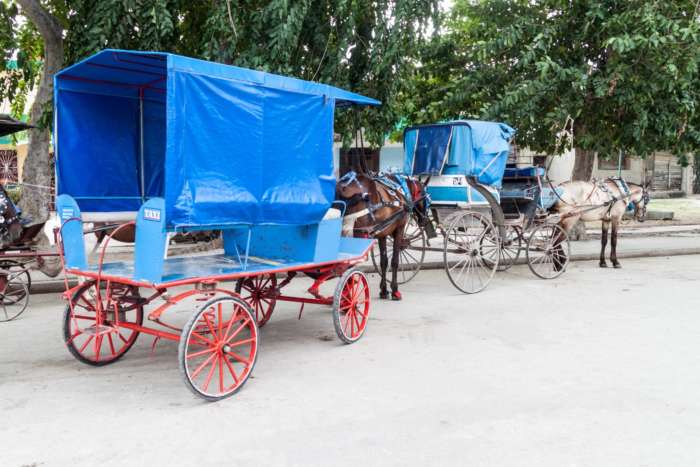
<point x="598" y="368"/>
<point x="671" y="240"/>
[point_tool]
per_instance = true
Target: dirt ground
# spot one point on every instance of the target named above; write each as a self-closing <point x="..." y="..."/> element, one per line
<point x="600" y="367"/>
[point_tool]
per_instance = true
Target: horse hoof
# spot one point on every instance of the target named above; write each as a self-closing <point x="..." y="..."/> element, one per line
<point x="603" y="265"/>
<point x="617" y="266"/>
<point x="384" y="295"/>
<point x="396" y="296"/>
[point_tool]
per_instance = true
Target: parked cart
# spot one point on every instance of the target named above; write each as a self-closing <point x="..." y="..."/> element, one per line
<point x="483" y="214"/>
<point x="173" y="144"/>
<point x="19" y="252"/>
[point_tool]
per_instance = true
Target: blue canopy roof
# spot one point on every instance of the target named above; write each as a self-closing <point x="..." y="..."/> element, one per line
<point x="223" y="145"/>
<point x="465" y="147"/>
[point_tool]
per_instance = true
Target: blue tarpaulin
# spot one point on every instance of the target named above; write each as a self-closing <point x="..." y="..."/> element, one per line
<point x="222" y="145"/>
<point x="466" y="147"/>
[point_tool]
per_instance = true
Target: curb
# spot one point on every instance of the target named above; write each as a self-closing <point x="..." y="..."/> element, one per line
<point x="58" y="286"/>
<point x="576" y="257"/>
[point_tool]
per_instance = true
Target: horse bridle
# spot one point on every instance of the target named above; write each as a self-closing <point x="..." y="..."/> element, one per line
<point x="645" y="199"/>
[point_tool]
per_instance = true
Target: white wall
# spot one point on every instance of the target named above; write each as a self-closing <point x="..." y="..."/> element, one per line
<point x="561" y="166"/>
<point x="390" y="156"/>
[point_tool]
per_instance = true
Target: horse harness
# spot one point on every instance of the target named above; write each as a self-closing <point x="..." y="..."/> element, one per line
<point x="396" y="190"/>
<point x="602" y="185"/>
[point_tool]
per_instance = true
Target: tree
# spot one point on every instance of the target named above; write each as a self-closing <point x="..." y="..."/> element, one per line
<point x="625" y="71"/>
<point x="36" y="171"/>
<point x="364" y="46"/>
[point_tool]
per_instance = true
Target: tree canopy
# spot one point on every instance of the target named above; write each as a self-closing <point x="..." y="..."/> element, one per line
<point x="361" y="45"/>
<point x="364" y="46"/>
<point x="625" y="71"/>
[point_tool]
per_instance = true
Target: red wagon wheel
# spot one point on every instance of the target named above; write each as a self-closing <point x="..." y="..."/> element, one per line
<point x="351" y="306"/>
<point x="260" y="293"/>
<point x="93" y="323"/>
<point x="218" y="348"/>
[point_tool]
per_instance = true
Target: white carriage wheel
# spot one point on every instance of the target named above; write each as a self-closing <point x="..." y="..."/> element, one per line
<point x="548" y="251"/>
<point x="472" y="238"/>
<point x="411" y="254"/>
<point x="511" y="246"/>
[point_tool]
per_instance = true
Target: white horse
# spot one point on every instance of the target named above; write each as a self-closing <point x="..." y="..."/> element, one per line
<point x="604" y="200"/>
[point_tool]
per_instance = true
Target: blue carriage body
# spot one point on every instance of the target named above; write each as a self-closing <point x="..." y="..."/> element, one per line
<point x="183" y="144"/>
<point x="452" y="151"/>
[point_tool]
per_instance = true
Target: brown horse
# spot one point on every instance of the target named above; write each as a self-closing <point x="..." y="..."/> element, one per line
<point x="376" y="207"/>
<point x="604" y="200"/>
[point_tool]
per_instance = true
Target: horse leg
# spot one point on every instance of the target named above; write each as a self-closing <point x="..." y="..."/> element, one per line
<point x="613" y="243"/>
<point x="603" y="243"/>
<point x="395" y="260"/>
<point x="383" y="263"/>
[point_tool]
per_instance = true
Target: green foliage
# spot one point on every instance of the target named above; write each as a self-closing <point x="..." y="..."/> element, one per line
<point x="14" y="192"/>
<point x="361" y="45"/>
<point x="94" y="25"/>
<point x="20" y="58"/>
<point x="626" y="71"/>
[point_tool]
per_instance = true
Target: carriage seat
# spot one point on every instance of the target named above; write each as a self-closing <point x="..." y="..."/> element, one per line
<point x="113" y="216"/>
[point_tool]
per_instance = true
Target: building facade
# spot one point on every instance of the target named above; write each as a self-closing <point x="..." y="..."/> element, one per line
<point x="662" y="169"/>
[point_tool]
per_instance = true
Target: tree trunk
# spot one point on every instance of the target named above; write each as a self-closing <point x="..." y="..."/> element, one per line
<point x="36" y="171"/>
<point x="583" y="164"/>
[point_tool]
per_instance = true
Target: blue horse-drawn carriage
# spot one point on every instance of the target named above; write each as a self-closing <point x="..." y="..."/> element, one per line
<point x="174" y="144"/>
<point x="485" y="211"/>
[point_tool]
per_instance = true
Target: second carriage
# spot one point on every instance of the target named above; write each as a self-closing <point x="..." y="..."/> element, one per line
<point x="20" y="251"/>
<point x="484" y="214"/>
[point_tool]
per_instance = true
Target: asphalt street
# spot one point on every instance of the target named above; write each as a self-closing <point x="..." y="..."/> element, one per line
<point x="600" y="367"/>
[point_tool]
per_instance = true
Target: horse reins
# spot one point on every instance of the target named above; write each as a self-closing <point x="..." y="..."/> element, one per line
<point x="371" y="208"/>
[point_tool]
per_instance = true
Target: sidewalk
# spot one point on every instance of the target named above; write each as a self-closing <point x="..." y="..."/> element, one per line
<point x="667" y="243"/>
<point x="653" y="241"/>
<point x="650" y="230"/>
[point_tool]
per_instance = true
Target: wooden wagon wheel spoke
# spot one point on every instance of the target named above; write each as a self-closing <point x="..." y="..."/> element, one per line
<point x="201" y="352"/>
<point x="202" y="338"/>
<point x="240" y="358"/>
<point x="473" y="239"/>
<point x="88" y="324"/>
<point x="87" y="342"/>
<point x="241" y="342"/>
<point x="232" y="326"/>
<point x="197" y="370"/>
<point x="211" y="371"/>
<point x="233" y="319"/>
<point x="260" y="293"/>
<point x="111" y="344"/>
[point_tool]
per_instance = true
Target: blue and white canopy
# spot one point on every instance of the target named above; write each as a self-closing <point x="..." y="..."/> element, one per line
<point x="222" y="145"/>
<point x="464" y="147"/>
